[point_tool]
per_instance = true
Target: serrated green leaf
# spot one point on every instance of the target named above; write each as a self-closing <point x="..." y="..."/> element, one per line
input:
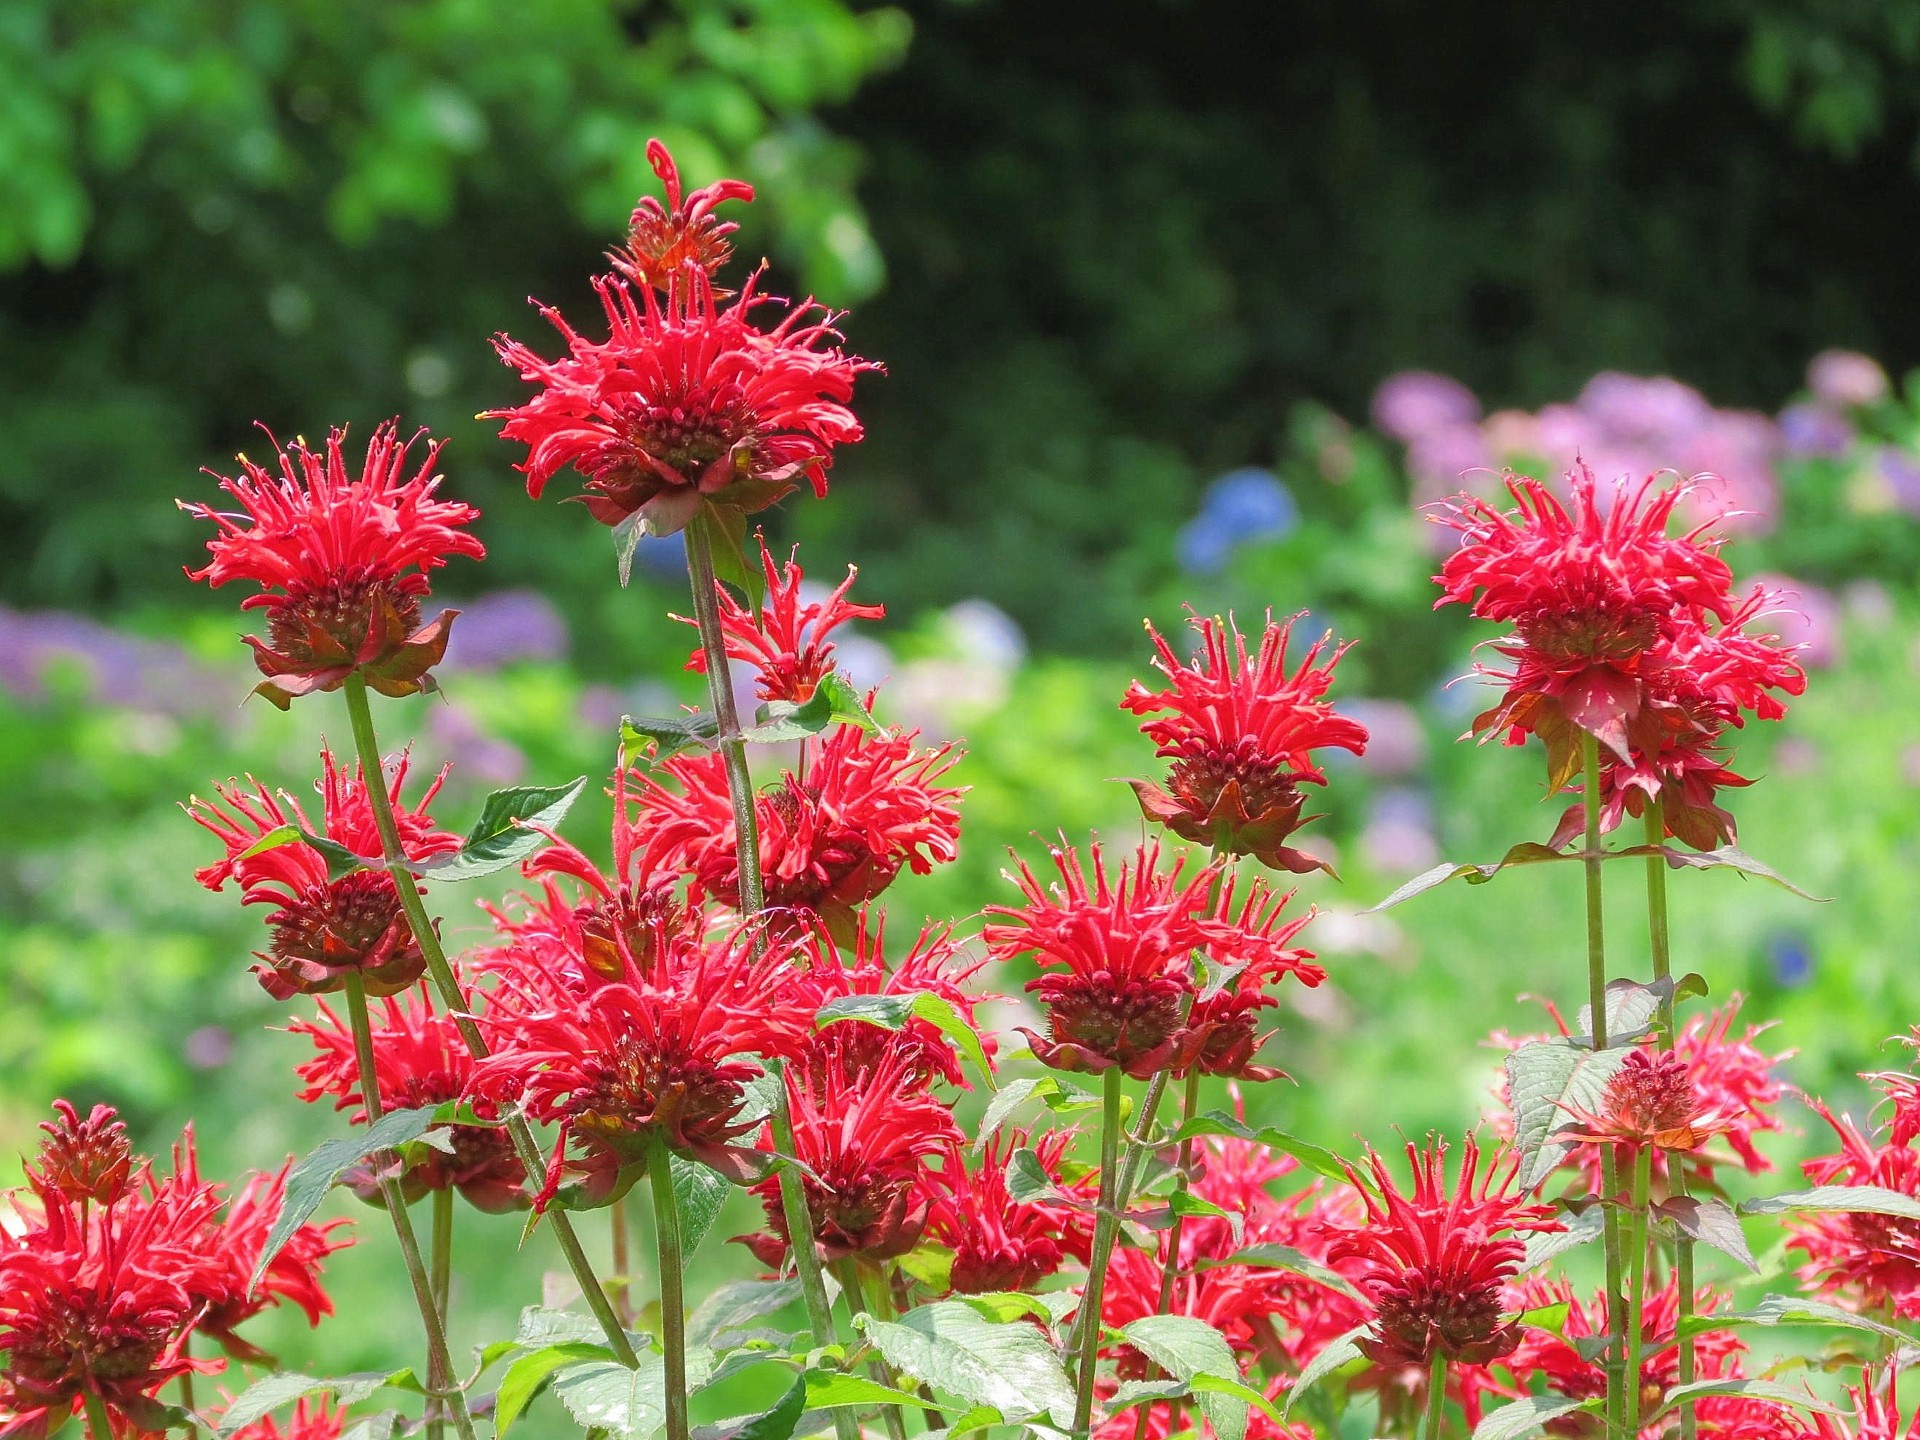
<point x="954" y="1348"/>
<point x="1003" y="1306"/>
<point x="701" y="1194"/>
<point x="1529" y="1416"/>
<point x="1631" y="1010"/>
<point x="1027" y="1179"/>
<point x="667" y="735"/>
<point x="309" y="1181"/>
<point x="832" y="1389"/>
<point x="737" y="1304"/>
<point x="889" y="1012"/>
<point x="723" y="530"/>
<point x="607" y="1395"/>
<point x="268" y="1394"/>
<point x="945" y="1016"/>
<point x="530" y="1372"/>
<point x="540" y="1327"/>
<point x="1582" y="1229"/>
<point x="1747" y="1389"/>
<point x="507" y="832"/>
<point x="778" y="1422"/>
<point x="929" y="1262"/>
<point x="1543" y="1077"/>
<point x="1525" y="853"/>
<point x="1849" y="1199"/>
<point x="1794" y="1310"/>
<point x="1009" y="1098"/>
<point x="1285" y="1257"/>
<point x="1187" y="1348"/>
<point x="833" y="702"/>
<point x="1339" y="1351"/>
<point x="1711" y="1222"/>
<point x="379" y="1426"/>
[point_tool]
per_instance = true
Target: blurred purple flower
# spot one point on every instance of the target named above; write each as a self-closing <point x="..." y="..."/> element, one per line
<point x="506" y="626"/>
<point x="1438" y="458"/>
<point x="1655" y="409"/>
<point x="1814" y="430"/>
<point x="118" y="669"/>
<point x="476" y="755"/>
<point x="1846" y="379"/>
<point x="1396" y="740"/>
<point x="1244" y="504"/>
<point x="1398" y="837"/>
<point x="1901" y="471"/>
<point x="1414" y="403"/>
<point x="1807" y="616"/>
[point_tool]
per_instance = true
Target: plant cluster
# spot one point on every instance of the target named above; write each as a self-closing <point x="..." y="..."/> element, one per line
<point x="1049" y="1234"/>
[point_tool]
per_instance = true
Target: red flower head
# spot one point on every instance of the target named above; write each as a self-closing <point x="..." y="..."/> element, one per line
<point x="865" y="1137"/>
<point x="1876" y="1415"/>
<point x="1555" y="1356"/>
<point x="688" y="399"/>
<point x="1902" y="1090"/>
<point x="834" y="832"/>
<point x="419" y="1059"/>
<point x="323" y="929"/>
<point x="1589" y="590"/>
<point x="1730" y="1091"/>
<point x="89" y="1159"/>
<point x="617" y="1063"/>
<point x="1433" y="1265"/>
<point x="1000" y="1243"/>
<point x="98" y="1299"/>
<point x="662" y="241"/>
<point x="1115" y="952"/>
<point x="1248" y="950"/>
<point x="342" y="563"/>
<point x="1241" y="732"/>
<point x="1650" y="1100"/>
<point x="936" y="965"/>
<point x="787" y="641"/>
<point x="1862" y="1261"/>
<point x="232" y="1247"/>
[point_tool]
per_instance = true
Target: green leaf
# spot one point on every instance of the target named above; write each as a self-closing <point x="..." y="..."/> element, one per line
<point x="1339" y="1351"/>
<point x="832" y="1389"/>
<point x="1284" y="1257"/>
<point x="1542" y="1078"/>
<point x="607" y="1395"/>
<point x="1551" y="1318"/>
<point x="701" y="1194"/>
<point x="945" y="1016"/>
<point x="309" y="1181"/>
<point x="373" y="1427"/>
<point x="626" y="539"/>
<point x="507" y="832"/>
<point x="931" y="1263"/>
<point x="723" y="530"/>
<point x="737" y="1304"/>
<point x="954" y="1348"/>
<point x="270" y="1393"/>
<point x="1187" y="1348"/>
<point x="889" y="1012"/>
<point x="1316" y="1158"/>
<point x="530" y="1372"/>
<point x="1003" y="1306"/>
<point x="1631" y="1010"/>
<point x="778" y="1422"/>
<point x="540" y="1327"/>
<point x="668" y="735"/>
<point x="1582" y="1229"/>
<point x="1850" y="1199"/>
<point x="1529" y="1417"/>
<point x="833" y="702"/>
<point x="1748" y="1389"/>
<point x="1010" y="1097"/>
<point x="1525" y="853"/>
<point x="1711" y="1222"/>
<point x="1793" y="1310"/>
<point x="1731" y="858"/>
<point x="341" y="862"/>
<point x="1027" y="1179"/>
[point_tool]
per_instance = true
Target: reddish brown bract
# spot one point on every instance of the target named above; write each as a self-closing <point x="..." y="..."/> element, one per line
<point x="342" y="562"/>
<point x="664" y="240"/>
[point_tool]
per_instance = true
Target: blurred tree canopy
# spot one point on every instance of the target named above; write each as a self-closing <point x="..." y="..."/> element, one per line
<point x="1121" y="240"/>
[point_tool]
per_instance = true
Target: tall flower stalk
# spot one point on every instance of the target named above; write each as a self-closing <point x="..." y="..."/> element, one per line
<point x="1592" y="859"/>
<point x="1657" y="936"/>
<point x="1106" y="1227"/>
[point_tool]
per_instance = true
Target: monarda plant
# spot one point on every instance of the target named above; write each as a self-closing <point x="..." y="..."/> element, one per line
<point x="1047" y="1231"/>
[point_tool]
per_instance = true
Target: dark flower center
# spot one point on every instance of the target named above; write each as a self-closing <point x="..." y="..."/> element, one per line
<point x="1121" y="1020"/>
<point x="341" y="925"/>
<point x="689" y="435"/>
<point x="74" y="1344"/>
<point x="634" y="1088"/>
<point x="1650" y="1094"/>
<point x="1600" y="632"/>
<point x="1428" y="1313"/>
<point x="1266" y="791"/>
<point x="344" y="609"/>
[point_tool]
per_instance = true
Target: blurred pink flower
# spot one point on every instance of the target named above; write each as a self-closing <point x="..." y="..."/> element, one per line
<point x="1845" y="379"/>
<point x="1809" y="616"/>
<point x="1415" y="403"/>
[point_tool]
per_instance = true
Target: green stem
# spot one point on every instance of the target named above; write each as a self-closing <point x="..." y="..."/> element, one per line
<point x="1436" y="1396"/>
<point x="1657" y="935"/>
<point x="441" y="1276"/>
<point x="673" y="1300"/>
<point x="622" y="1261"/>
<point x="1138" y="1148"/>
<point x="439" y="1365"/>
<point x="1106" y="1227"/>
<point x="1170" y="1272"/>
<point x="746" y="830"/>
<point x="848" y="1273"/>
<point x="99" y="1427"/>
<point x="1637" y="1282"/>
<point x="451" y="996"/>
<point x="1609" y="1170"/>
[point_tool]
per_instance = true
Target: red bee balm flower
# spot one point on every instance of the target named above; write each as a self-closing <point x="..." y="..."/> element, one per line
<point x="323" y="929"/>
<point x="1862" y="1261"/>
<point x="1248" y="951"/>
<point x="834" y="832"/>
<point x="89" y="1159"/>
<point x="787" y="641"/>
<point x="233" y="1248"/>
<point x="688" y="398"/>
<point x="1116" y="951"/>
<point x="1000" y="1243"/>
<point x="1241" y="733"/>
<point x="662" y="241"/>
<point x="1589" y="589"/>
<point x="419" y="1059"/>
<point x="343" y="563"/>
<point x="865" y="1137"/>
<point x="1434" y="1265"/>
